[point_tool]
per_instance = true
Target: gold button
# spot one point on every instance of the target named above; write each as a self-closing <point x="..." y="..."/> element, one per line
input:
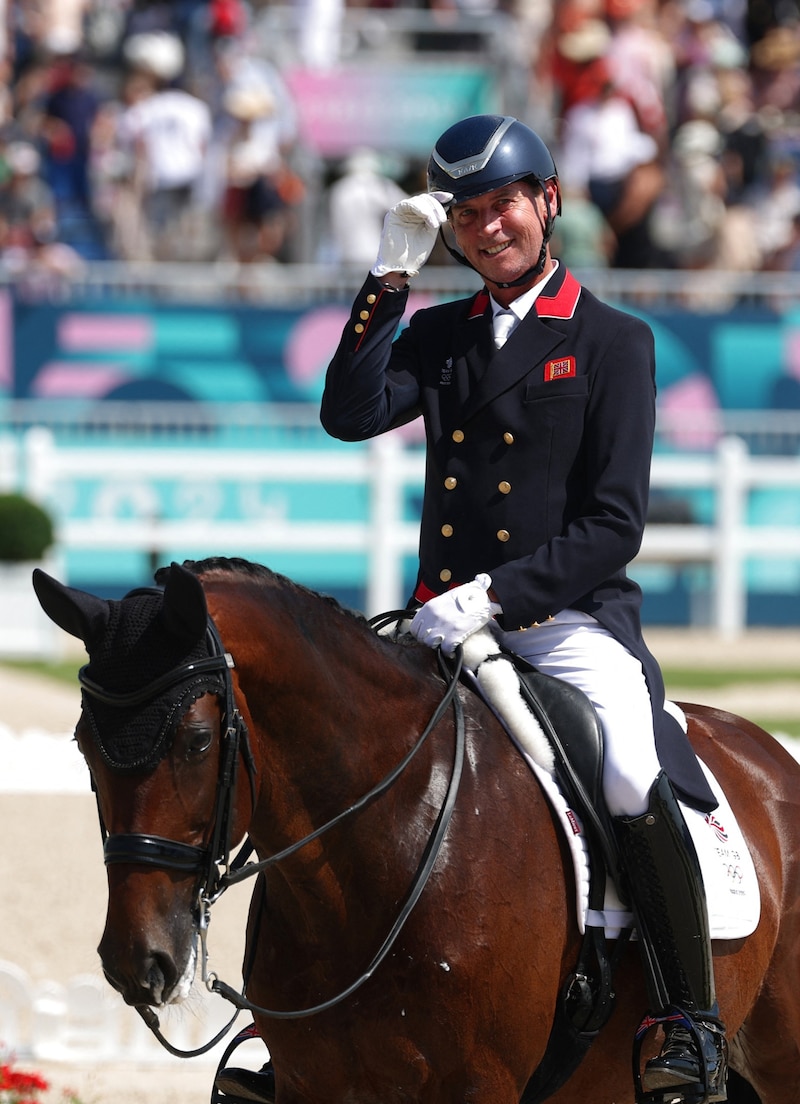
<point x="371" y="298"/>
<point x="451" y="482"/>
<point x="458" y="436"/>
<point x="508" y="438"/>
<point x="446" y="575"/>
<point x="359" y="328"/>
<point x="504" y="487"/>
<point x="503" y="535"/>
<point x="447" y="530"/>
<point x="364" y="315"/>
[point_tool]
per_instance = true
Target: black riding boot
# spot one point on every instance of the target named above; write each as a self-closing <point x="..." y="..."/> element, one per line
<point x="665" y="884"/>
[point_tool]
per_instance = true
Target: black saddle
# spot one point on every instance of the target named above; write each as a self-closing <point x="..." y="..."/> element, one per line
<point x="571" y="725"/>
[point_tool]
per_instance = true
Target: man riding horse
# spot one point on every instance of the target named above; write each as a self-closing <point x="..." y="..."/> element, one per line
<point x="539" y="408"/>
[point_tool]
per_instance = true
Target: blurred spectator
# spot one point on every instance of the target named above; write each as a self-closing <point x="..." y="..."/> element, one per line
<point x="778" y="204"/>
<point x="260" y="190"/>
<point x="29" y="251"/>
<point x="357" y="204"/>
<point x="27" y="207"/>
<point x="63" y="22"/>
<point x="641" y="62"/>
<point x="582" y="238"/>
<point x="689" y="216"/>
<point x="69" y="109"/>
<point x="250" y="177"/>
<point x="226" y="19"/>
<point x="578" y="43"/>
<point x="116" y="199"/>
<point x="70" y="106"/>
<point x="166" y="130"/>
<point x="744" y="132"/>
<point x="702" y="44"/>
<point x="775" y="64"/>
<point x="605" y="152"/>
<point x="238" y="67"/>
<point x="787" y="259"/>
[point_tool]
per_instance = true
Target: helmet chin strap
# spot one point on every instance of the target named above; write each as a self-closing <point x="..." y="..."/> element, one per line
<point x="529" y="274"/>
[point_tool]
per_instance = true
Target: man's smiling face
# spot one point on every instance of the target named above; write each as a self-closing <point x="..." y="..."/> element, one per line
<point x="500" y="233"/>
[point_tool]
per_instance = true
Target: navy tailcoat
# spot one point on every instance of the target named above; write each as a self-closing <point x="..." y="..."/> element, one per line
<point x="538" y="456"/>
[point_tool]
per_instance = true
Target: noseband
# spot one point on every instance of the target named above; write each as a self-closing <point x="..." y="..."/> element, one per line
<point x="138" y="847"/>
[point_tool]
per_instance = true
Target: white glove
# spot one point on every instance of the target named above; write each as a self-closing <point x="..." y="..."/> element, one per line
<point x="448" y="619"/>
<point x="409" y="233"/>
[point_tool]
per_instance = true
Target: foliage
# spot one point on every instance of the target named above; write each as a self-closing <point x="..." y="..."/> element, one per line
<point x="24" y="1086"/>
<point x="26" y="530"/>
<point x="20" y="1087"/>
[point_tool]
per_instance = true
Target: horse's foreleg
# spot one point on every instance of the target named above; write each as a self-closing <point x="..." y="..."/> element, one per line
<point x="741" y="1091"/>
<point x="767" y="1050"/>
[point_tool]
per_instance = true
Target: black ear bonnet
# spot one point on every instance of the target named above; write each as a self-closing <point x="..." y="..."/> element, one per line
<point x="136" y="649"/>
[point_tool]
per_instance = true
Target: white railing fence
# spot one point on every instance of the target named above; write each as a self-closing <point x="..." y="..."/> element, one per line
<point x="727" y="544"/>
<point x="386" y="468"/>
<point x="85" y="1021"/>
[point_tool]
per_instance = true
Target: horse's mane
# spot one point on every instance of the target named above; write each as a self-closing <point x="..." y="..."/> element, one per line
<point x="236" y="565"/>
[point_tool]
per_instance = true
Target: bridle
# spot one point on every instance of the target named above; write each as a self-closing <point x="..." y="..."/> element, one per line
<point x="213" y="863"/>
<point x="139" y="847"/>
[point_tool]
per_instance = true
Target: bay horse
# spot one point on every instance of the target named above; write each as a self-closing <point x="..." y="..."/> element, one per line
<point x="460" y="1005"/>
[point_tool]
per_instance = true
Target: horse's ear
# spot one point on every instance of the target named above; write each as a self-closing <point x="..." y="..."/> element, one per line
<point x="75" y="611"/>
<point x="184" y="613"/>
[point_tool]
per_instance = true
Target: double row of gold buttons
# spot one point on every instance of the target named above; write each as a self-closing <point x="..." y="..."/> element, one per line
<point x="450" y="483"/>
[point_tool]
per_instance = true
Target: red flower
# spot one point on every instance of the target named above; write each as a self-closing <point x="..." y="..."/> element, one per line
<point x="20" y="1086"/>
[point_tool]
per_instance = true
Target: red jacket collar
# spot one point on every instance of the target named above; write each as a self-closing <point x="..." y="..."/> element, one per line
<point x="558" y="300"/>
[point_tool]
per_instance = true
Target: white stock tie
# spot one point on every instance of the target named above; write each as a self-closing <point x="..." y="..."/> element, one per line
<point x="503" y="324"/>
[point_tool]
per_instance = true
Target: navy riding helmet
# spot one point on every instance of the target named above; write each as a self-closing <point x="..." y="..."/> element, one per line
<point x="485" y="152"/>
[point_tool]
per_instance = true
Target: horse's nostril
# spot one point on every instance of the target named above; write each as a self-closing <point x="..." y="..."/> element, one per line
<point x="151" y="984"/>
<point x="160" y="977"/>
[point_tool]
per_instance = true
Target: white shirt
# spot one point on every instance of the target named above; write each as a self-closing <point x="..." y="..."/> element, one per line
<point x="172" y="129"/>
<point x="523" y="303"/>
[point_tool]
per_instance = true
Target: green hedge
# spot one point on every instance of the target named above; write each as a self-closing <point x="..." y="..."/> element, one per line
<point x="26" y="530"/>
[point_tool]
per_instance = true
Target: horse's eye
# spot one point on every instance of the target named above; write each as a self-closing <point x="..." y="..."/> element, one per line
<point x="196" y="740"/>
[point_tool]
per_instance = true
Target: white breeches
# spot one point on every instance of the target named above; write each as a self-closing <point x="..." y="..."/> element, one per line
<point x="574" y="647"/>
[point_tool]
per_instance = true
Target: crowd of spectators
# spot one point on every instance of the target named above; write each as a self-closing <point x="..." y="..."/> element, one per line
<point x="139" y="130"/>
<point x="680" y="122"/>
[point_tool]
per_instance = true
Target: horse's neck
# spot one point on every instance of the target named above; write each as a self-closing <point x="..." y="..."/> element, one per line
<point x="336" y="733"/>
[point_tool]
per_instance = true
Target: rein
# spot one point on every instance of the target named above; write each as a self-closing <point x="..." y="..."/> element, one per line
<point x="136" y="847"/>
<point x="426" y="864"/>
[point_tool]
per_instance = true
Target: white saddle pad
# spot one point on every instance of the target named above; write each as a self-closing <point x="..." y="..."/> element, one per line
<point x="732" y="892"/>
